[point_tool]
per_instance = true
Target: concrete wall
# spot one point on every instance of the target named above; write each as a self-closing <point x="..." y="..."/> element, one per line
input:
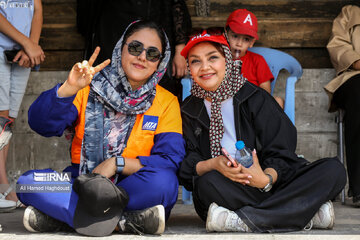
<point x="317" y="130"/>
<point x="316" y="127"/>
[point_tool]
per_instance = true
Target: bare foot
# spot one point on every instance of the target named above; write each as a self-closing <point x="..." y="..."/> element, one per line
<point x="12" y="196"/>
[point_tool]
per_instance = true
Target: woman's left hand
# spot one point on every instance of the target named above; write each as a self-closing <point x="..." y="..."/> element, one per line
<point x="107" y="168"/>
<point x="259" y="178"/>
<point x="22" y="59"/>
<point x="179" y="63"/>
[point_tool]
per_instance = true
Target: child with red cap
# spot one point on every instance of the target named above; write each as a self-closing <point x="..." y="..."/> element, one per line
<point x="241" y="32"/>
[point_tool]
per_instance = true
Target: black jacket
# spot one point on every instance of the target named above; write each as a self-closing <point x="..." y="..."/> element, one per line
<point x="259" y="122"/>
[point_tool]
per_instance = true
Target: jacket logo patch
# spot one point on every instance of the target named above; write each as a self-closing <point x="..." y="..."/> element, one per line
<point x="150" y="122"/>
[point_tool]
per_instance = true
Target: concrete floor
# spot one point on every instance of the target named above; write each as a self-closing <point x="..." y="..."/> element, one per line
<point x="185" y="224"/>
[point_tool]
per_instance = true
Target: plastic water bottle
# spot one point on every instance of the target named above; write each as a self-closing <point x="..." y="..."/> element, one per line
<point x="243" y="154"/>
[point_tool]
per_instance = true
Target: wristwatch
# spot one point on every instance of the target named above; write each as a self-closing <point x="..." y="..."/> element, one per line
<point x="269" y="185"/>
<point x="120" y="164"/>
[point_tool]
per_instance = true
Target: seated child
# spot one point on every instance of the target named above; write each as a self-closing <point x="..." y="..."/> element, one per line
<point x="241" y="33"/>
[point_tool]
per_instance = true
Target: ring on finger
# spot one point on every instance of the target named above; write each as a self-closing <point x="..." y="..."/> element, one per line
<point x="84" y="63"/>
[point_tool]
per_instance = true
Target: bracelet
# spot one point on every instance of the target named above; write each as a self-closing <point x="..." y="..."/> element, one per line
<point x="268" y="186"/>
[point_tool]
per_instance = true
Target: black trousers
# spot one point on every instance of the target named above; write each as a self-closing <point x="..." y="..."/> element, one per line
<point x="347" y="97"/>
<point x="288" y="207"/>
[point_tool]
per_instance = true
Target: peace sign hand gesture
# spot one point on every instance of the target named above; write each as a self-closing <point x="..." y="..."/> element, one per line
<point x="81" y="75"/>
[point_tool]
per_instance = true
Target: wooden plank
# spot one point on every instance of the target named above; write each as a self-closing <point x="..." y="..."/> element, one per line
<point x="63" y="11"/>
<point x="61" y="60"/>
<point x="61" y="37"/>
<point x="275" y="33"/>
<point x="303" y="33"/>
<point x="304" y="38"/>
<point x="310" y="57"/>
<point x="277" y="9"/>
<point x="272" y="33"/>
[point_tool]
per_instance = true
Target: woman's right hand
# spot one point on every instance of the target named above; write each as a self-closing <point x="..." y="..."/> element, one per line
<point x="223" y="166"/>
<point x="81" y="75"/>
<point x="235" y="174"/>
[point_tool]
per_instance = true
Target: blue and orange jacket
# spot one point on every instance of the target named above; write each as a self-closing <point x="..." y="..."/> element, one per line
<point x="156" y="138"/>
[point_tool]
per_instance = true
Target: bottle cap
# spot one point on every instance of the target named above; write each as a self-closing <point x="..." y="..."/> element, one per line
<point x="239" y="145"/>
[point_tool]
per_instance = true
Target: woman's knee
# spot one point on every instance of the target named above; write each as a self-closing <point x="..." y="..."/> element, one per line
<point x="164" y="181"/>
<point x="206" y="179"/>
<point x="159" y="181"/>
<point x="334" y="171"/>
<point x="151" y="187"/>
<point x="207" y="184"/>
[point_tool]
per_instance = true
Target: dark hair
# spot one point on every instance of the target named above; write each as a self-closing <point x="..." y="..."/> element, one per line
<point x="137" y="26"/>
<point x="218" y="47"/>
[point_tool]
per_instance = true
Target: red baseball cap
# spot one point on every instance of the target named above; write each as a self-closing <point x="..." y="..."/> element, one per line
<point x="203" y="37"/>
<point x="242" y="21"/>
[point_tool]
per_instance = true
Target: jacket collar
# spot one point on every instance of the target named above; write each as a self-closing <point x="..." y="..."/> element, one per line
<point x="244" y="93"/>
<point x="194" y="107"/>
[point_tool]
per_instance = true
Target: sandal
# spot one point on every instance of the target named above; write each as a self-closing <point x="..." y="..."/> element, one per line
<point x="6" y="205"/>
<point x="5" y="131"/>
<point x="20" y="204"/>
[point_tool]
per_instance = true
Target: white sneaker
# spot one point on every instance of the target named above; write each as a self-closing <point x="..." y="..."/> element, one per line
<point x="324" y="218"/>
<point x="220" y="219"/>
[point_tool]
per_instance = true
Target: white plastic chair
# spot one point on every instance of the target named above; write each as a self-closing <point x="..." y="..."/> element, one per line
<point x="278" y="60"/>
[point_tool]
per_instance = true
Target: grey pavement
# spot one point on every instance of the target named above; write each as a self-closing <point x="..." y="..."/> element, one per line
<point x="185" y="224"/>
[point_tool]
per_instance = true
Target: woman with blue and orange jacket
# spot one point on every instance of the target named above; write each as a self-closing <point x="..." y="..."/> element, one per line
<point x="127" y="127"/>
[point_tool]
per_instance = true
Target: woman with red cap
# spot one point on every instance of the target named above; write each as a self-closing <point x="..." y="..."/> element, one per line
<point x="280" y="192"/>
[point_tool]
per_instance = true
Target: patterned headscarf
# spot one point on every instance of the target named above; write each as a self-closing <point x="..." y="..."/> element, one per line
<point x="230" y="85"/>
<point x="112" y="108"/>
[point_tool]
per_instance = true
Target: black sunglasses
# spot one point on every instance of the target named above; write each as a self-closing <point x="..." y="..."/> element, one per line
<point x="135" y="48"/>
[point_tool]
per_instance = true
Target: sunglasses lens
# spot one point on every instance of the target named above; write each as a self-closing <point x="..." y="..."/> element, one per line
<point x="135" y="48"/>
<point x="153" y="54"/>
